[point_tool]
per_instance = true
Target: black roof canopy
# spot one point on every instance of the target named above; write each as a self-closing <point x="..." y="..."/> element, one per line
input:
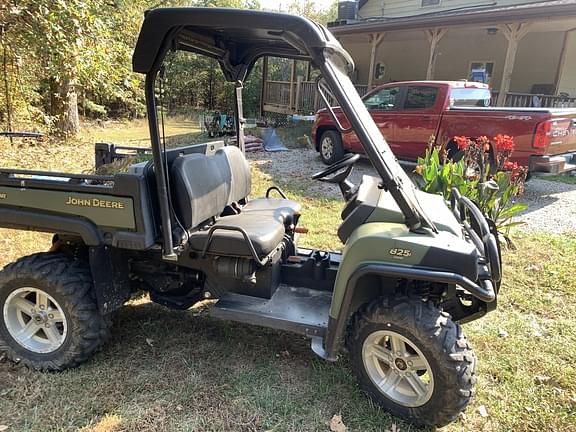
<point x="236" y="38"/>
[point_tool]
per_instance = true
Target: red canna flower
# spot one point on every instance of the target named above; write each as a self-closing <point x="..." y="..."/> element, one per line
<point x="510" y="166"/>
<point x="461" y="142"/>
<point x="504" y="143"/>
<point x="484" y="143"/>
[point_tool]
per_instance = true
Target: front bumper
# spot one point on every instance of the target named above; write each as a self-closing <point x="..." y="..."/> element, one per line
<point x="556" y="164"/>
<point x="484" y="236"/>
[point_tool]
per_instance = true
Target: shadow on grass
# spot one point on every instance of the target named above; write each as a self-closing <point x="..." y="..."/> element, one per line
<point x="166" y="370"/>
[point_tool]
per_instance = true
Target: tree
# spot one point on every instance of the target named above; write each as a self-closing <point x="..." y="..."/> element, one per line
<point x="63" y="53"/>
<point x="309" y="9"/>
<point x="76" y="45"/>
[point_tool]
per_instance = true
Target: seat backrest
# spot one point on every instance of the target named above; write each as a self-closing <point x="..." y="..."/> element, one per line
<point x="239" y="172"/>
<point x="203" y="186"/>
<point x="200" y="186"/>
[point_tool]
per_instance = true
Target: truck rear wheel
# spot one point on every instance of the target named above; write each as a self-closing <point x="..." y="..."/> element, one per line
<point x="50" y="320"/>
<point x="411" y="359"/>
<point x="330" y="147"/>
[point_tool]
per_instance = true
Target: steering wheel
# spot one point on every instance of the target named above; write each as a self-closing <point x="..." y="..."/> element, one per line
<point x="346" y="162"/>
<point x="347" y="165"/>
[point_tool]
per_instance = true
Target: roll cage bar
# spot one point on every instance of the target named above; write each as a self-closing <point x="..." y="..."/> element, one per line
<point x="237" y="39"/>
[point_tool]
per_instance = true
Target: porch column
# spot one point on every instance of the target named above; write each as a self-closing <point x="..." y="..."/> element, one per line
<point x="514" y="33"/>
<point x="375" y="41"/>
<point x="434" y="36"/>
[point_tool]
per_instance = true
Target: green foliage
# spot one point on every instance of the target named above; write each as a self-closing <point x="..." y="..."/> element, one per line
<point x="493" y="190"/>
<point x="95" y="110"/>
<point x="440" y="175"/>
<point x="74" y="49"/>
<point x="65" y="53"/>
<point x="309" y="9"/>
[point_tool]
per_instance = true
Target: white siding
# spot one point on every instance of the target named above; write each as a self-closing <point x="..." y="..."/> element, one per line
<point x="459" y="48"/>
<point x="568" y="81"/>
<point x="391" y="8"/>
<point x="404" y="60"/>
<point x="360" y="51"/>
<point x="536" y="60"/>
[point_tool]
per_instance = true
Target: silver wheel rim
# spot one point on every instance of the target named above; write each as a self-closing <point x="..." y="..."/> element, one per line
<point x="398" y="368"/>
<point x="35" y="320"/>
<point x="327" y="148"/>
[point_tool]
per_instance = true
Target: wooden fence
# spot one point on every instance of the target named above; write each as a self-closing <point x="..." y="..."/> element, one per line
<point x="299" y="97"/>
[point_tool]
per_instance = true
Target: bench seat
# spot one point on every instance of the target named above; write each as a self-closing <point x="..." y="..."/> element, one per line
<point x="207" y="189"/>
<point x="283" y="210"/>
<point x="265" y="233"/>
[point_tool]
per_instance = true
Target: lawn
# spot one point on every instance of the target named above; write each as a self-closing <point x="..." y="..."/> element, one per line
<point x="564" y="178"/>
<point x="172" y="371"/>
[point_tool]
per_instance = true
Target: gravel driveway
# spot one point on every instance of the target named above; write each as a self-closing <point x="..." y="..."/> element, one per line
<point x="552" y="205"/>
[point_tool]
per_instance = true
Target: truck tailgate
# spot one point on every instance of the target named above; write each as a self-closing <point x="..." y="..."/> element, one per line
<point x="562" y="132"/>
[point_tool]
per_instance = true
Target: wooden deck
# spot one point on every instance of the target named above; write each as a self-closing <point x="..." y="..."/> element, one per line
<point x="299" y="97"/>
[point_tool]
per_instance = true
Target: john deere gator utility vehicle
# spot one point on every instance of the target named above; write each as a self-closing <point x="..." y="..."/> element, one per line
<point x="184" y="227"/>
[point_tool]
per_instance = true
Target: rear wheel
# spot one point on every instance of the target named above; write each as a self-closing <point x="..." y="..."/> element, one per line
<point x="455" y="155"/>
<point x="330" y="147"/>
<point x="50" y="320"/>
<point x="412" y="360"/>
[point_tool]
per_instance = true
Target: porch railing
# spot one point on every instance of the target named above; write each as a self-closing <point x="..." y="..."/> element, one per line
<point x="301" y="97"/>
<point x="539" y="100"/>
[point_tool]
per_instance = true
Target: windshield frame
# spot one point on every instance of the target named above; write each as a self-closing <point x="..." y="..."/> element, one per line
<point x="394" y="178"/>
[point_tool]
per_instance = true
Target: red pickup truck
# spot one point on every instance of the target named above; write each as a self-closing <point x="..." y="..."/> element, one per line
<point x="409" y="113"/>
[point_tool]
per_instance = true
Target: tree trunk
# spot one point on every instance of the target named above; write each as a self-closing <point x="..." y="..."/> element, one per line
<point x="65" y="107"/>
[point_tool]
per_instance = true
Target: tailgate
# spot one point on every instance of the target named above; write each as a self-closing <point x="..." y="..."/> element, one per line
<point x="562" y="132"/>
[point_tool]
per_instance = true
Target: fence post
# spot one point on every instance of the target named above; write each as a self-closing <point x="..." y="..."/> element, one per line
<point x="298" y="93"/>
<point x="264" y="93"/>
<point x="292" y="78"/>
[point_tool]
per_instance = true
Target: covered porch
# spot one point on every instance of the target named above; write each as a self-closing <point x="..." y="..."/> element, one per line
<point x="529" y="61"/>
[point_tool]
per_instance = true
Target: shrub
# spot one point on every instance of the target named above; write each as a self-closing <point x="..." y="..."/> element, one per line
<point x="492" y="188"/>
<point x="94" y="110"/>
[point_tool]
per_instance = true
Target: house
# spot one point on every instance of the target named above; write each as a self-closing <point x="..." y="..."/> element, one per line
<point x="525" y="50"/>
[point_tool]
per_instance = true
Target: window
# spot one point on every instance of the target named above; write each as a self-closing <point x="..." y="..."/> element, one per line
<point x="470" y="97"/>
<point x="379" y="71"/>
<point x="481" y="71"/>
<point x="420" y="97"/>
<point x="385" y="99"/>
<point x="426" y="3"/>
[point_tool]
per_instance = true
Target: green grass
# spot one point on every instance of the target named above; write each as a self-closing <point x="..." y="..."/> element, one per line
<point x="135" y="133"/>
<point x="320" y="214"/>
<point x="564" y="178"/>
<point x="171" y="371"/>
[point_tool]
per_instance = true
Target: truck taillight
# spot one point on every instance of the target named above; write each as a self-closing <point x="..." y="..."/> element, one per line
<point x="542" y="135"/>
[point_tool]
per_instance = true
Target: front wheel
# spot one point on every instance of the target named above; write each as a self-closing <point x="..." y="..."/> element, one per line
<point x="330" y="147"/>
<point x="411" y="359"/>
<point x="50" y="320"/>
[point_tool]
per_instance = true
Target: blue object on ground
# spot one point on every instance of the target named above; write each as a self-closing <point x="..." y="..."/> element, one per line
<point x="272" y="142"/>
<point x="303" y="118"/>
